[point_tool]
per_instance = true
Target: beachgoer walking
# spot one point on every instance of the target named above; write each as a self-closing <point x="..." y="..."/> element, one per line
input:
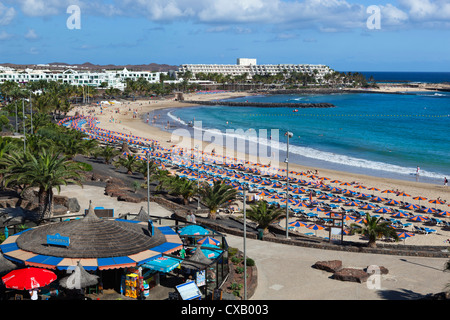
<point x="418" y="170"/>
<point x="445" y="181"/>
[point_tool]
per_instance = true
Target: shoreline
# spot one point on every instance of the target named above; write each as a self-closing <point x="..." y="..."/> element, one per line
<point x="129" y="118"/>
<point x="138" y="127"/>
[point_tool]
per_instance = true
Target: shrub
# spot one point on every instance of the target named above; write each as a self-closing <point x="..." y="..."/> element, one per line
<point x="232" y="251"/>
<point x="250" y="262"/>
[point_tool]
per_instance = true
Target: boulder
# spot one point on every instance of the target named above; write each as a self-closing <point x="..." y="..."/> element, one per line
<point x="72" y="205"/>
<point x="373" y="269"/>
<point x="353" y="275"/>
<point x="329" y="266"/>
<point x="130" y="198"/>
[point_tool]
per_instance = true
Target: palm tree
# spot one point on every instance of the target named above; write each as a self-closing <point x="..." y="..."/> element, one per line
<point x="182" y="187"/>
<point x="108" y="153"/>
<point x="45" y="171"/>
<point x="374" y="228"/>
<point x="216" y="196"/>
<point x="129" y="163"/>
<point x="264" y="214"/>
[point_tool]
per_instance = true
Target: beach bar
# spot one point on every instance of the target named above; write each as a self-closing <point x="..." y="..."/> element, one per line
<point x="129" y="256"/>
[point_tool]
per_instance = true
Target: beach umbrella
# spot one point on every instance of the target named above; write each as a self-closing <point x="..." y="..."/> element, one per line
<point x="367" y="206"/>
<point x="363" y="195"/>
<point x="302" y="204"/>
<point x="28" y="278"/>
<point x="297" y="224"/>
<point x="377" y="199"/>
<point x="412" y="207"/>
<point x="318" y="209"/>
<point x="373" y="189"/>
<point x="402" y="194"/>
<point x="193" y="230"/>
<point x="345" y="184"/>
<point x="404" y="235"/>
<point x="387" y="191"/>
<point x="400" y="215"/>
<point x="335" y="181"/>
<point x="419" y="198"/>
<point x="383" y="210"/>
<point x="360" y="187"/>
<point x="428" y="210"/>
<point x="419" y="218"/>
<point x="337" y="200"/>
<point x="444" y="213"/>
<point x="361" y="220"/>
<point x="315" y="227"/>
<point x="209" y="240"/>
<point x="352" y="203"/>
<point x="437" y="201"/>
<point x="393" y="202"/>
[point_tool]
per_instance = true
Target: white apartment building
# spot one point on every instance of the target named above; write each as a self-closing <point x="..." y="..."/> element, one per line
<point x="249" y="66"/>
<point x="113" y="78"/>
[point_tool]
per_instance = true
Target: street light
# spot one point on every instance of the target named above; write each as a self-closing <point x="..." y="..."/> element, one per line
<point x="288" y="135"/>
<point x="245" y="188"/>
<point x="150" y="148"/>
<point x="198" y="176"/>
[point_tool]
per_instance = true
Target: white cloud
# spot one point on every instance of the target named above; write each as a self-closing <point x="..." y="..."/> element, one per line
<point x="31" y="35"/>
<point x="6" y="14"/>
<point x="427" y="10"/>
<point x="324" y="15"/>
<point x="5" y="35"/>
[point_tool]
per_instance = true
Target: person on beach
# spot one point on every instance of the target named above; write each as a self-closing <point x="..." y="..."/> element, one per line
<point x="445" y="181"/>
<point x="418" y="170"/>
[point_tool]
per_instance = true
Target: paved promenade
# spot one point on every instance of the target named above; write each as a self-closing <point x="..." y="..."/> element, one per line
<point x="285" y="273"/>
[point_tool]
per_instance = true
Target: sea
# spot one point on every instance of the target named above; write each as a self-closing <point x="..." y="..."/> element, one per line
<point x="382" y="135"/>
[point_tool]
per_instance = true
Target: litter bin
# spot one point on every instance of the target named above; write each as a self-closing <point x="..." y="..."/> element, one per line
<point x="260" y="234"/>
<point x="146" y="290"/>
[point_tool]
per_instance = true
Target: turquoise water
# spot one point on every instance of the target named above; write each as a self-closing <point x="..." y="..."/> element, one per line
<point x="384" y="135"/>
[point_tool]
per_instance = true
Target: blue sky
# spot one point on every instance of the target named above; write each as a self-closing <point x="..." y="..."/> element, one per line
<point x="412" y="36"/>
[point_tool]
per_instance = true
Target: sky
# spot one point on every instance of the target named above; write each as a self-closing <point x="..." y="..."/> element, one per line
<point x="347" y="35"/>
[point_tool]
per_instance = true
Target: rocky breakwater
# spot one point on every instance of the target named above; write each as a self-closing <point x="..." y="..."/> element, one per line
<point x="264" y="104"/>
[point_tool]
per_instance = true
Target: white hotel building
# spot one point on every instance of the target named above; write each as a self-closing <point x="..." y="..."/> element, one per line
<point x="250" y="67"/>
<point x="113" y="78"/>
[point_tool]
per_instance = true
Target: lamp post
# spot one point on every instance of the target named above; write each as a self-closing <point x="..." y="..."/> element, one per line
<point x="245" y="187"/>
<point x="198" y="176"/>
<point x="148" y="179"/>
<point x="288" y="135"/>
<point x="23" y="123"/>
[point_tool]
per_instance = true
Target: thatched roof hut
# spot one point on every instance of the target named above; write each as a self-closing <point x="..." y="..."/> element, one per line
<point x="91" y="237"/>
<point x="197" y="261"/>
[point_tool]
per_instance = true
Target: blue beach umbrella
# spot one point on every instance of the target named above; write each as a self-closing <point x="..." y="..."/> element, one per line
<point x="193" y="230"/>
<point x="419" y="218"/>
<point x="209" y="240"/>
<point x="297" y="224"/>
<point x="400" y="215"/>
<point x="383" y="210"/>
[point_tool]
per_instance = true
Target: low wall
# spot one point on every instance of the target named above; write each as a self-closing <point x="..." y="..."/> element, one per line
<point x="316" y="243"/>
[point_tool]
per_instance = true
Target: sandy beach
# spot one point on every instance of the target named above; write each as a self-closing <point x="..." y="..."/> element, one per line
<point x="127" y="117"/>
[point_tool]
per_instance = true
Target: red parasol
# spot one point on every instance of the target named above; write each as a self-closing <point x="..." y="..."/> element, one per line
<point x="28" y="278"/>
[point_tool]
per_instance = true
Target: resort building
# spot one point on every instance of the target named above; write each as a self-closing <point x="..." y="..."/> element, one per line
<point x="105" y="78"/>
<point x="251" y="68"/>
